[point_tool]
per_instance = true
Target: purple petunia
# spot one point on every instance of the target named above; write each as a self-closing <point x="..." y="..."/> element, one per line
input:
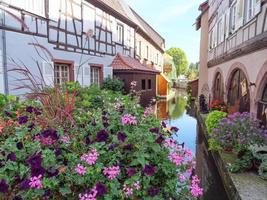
<point x="128" y="147"/>
<point x="102" y="136"/>
<point x="121" y="136"/>
<point x="163" y="124"/>
<point x="29" y="109"/>
<point x="23" y="120"/>
<point x="35" y="160"/>
<point x="11" y="156"/>
<point x="36" y="171"/>
<point x="153" y="191"/>
<point x="149" y="170"/>
<point x="101" y="189"/>
<point x="131" y="171"/>
<point x="174" y="129"/>
<point x="25" y="184"/>
<point x="160" y="139"/>
<point x="3" y="186"/>
<point x="31" y="126"/>
<point x="154" y="130"/>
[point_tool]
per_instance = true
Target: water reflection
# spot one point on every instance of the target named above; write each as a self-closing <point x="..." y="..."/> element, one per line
<point x="174" y="113"/>
<point x="207" y="171"/>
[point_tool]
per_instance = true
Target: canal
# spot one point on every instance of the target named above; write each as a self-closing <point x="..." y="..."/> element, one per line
<point x="175" y="113"/>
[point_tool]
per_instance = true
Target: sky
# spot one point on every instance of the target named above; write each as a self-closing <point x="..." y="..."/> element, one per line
<point x="173" y="20"/>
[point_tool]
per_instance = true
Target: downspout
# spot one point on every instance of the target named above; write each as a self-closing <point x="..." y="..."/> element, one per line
<point x="6" y="90"/>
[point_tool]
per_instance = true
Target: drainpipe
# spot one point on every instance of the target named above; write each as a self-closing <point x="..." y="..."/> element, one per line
<point x="4" y="57"/>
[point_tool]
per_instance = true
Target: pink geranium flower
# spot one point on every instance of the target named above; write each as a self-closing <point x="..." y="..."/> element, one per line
<point x="80" y="169"/>
<point x="111" y="172"/>
<point x="91" y="157"/>
<point x="36" y="182"/>
<point x="128" y="119"/>
<point x="175" y="158"/>
<point x="195" y="189"/>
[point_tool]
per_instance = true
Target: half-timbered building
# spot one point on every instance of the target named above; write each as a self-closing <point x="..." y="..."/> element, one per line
<point x="233" y="53"/>
<point x="71" y="40"/>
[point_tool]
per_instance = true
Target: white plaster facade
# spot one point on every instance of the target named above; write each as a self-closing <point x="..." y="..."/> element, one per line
<point x="78" y="31"/>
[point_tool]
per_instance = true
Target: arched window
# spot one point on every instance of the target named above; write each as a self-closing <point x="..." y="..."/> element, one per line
<point x="262" y="110"/>
<point x="218" y="87"/>
<point x="238" y="94"/>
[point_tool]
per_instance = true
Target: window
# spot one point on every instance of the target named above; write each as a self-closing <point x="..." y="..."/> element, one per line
<point x="220" y="31"/>
<point x="120" y="33"/>
<point x="95" y="75"/>
<point x="149" y="84"/>
<point x="232" y="18"/>
<point x="249" y="8"/>
<point x="61" y="73"/>
<point x="143" y="84"/>
<point x="211" y="39"/>
<point x="157" y="60"/>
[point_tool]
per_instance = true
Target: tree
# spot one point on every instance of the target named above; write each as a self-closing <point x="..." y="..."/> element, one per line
<point x="179" y="59"/>
<point x="192" y="72"/>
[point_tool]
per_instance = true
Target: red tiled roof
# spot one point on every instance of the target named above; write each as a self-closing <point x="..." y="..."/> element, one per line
<point x="127" y="63"/>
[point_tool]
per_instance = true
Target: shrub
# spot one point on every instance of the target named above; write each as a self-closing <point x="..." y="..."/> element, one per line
<point x="114" y="151"/>
<point x="239" y="131"/>
<point x="213" y="120"/>
<point x="113" y="84"/>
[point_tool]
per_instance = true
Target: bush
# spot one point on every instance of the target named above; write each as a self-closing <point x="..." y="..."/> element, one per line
<point x="213" y="120"/>
<point x="239" y="131"/>
<point x="113" y="84"/>
<point x="114" y="151"/>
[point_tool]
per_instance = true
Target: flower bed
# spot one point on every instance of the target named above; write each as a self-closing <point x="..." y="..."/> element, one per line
<point x="88" y="144"/>
<point x="238" y="133"/>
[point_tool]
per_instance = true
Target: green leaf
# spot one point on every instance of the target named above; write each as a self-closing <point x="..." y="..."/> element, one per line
<point x="65" y="190"/>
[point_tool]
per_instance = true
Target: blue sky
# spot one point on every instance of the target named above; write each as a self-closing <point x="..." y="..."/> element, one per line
<point x="174" y="20"/>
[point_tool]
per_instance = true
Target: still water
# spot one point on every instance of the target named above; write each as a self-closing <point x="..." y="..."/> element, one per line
<point x="175" y="113"/>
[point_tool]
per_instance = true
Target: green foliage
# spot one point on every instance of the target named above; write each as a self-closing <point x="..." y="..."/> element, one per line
<point x="243" y="163"/>
<point x="213" y="120"/>
<point x="214" y="145"/>
<point x="94" y="111"/>
<point x="114" y="84"/>
<point x="180" y="60"/>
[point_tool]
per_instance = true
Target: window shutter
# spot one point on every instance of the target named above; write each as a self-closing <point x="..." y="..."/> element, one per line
<point x="257" y="6"/>
<point x="86" y="76"/>
<point x="78" y="74"/>
<point x="240" y="14"/>
<point x="48" y="73"/>
<point x="227" y="23"/>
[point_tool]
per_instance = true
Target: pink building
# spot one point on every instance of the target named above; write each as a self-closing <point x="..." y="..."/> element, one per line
<point x="233" y="54"/>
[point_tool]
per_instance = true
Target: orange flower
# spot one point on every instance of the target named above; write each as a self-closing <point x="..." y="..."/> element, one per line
<point x="17" y="113"/>
<point x="1" y="128"/>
